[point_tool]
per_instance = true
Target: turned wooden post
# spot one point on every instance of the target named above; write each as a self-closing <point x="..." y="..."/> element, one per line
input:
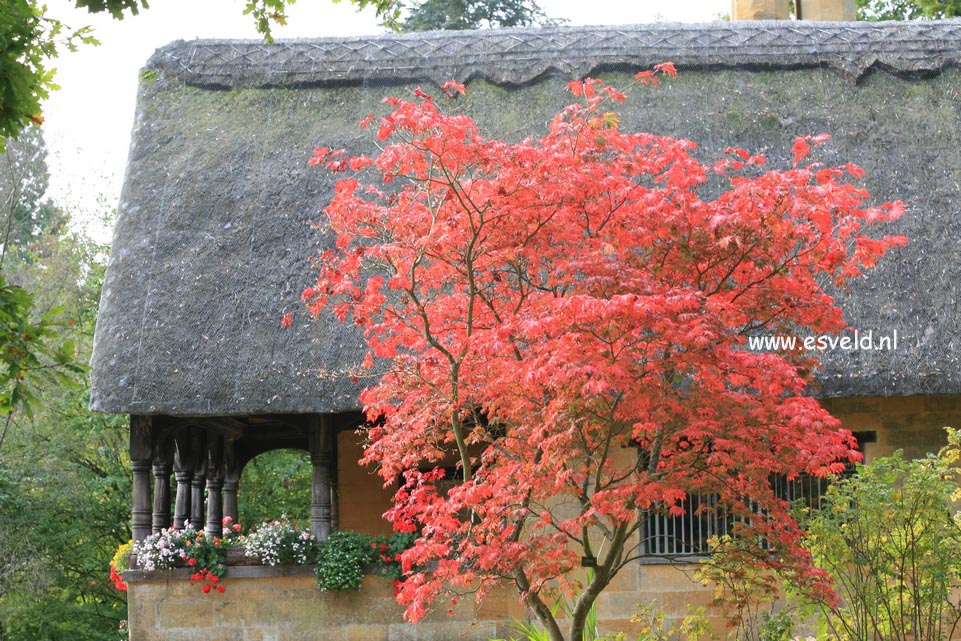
<point x="184" y="474"/>
<point x="334" y="495"/>
<point x="318" y="440"/>
<point x="162" y="466"/>
<point x="198" y="458"/>
<point x="334" y="502"/>
<point x="215" y="484"/>
<point x="140" y="464"/>
<point x="231" y="479"/>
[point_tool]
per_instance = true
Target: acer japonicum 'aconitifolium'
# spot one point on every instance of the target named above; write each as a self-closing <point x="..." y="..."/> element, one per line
<point x="566" y="317"/>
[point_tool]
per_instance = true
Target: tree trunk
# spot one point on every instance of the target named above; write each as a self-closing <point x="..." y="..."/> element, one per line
<point x="546" y="617"/>
<point x="582" y="608"/>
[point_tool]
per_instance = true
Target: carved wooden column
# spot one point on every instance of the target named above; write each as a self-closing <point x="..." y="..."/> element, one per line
<point x="184" y="474"/>
<point x="334" y="502"/>
<point x="140" y="463"/>
<point x="163" y="454"/>
<point x="198" y="459"/>
<point x="215" y="484"/>
<point x="319" y="443"/>
<point x="334" y="474"/>
<point x="231" y="479"/>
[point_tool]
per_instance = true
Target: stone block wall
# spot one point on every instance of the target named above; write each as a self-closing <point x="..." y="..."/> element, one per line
<point x="914" y="424"/>
<point x="284" y="604"/>
<point x="361" y="496"/>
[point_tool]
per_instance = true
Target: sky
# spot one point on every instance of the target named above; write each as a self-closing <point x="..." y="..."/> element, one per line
<point x="88" y="121"/>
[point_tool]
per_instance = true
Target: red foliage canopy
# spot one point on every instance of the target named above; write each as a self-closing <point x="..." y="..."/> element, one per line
<point x="566" y="317"/>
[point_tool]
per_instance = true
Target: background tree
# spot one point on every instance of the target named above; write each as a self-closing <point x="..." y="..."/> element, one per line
<point x="565" y="318"/>
<point x="908" y="9"/>
<point x="265" y="12"/>
<point x="64" y="483"/>
<point x="473" y="14"/>
<point x="24" y="209"/>
<point x="29" y="40"/>
<point x="890" y="537"/>
<point x="34" y="350"/>
<point x="64" y="479"/>
<point x="274" y="484"/>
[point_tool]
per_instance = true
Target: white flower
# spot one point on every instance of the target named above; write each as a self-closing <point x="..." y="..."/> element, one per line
<point x="279" y="542"/>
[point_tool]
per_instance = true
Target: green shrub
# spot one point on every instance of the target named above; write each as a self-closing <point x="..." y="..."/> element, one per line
<point x="387" y="551"/>
<point x="745" y="591"/>
<point x="342" y="559"/>
<point x="889" y="536"/>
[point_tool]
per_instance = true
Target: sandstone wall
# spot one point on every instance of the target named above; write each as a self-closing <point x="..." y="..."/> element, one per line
<point x="284" y="604"/>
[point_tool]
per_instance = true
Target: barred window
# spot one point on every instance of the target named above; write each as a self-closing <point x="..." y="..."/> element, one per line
<point x="665" y="535"/>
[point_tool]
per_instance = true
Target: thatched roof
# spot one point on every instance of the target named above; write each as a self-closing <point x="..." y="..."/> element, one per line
<point x="212" y="240"/>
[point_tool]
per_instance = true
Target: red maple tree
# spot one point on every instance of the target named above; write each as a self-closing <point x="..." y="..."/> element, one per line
<point x="563" y="321"/>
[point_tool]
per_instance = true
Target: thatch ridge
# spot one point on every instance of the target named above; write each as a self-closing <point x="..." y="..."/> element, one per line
<point x="518" y="56"/>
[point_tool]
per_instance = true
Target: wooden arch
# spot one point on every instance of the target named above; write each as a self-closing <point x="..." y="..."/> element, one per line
<point x="206" y="456"/>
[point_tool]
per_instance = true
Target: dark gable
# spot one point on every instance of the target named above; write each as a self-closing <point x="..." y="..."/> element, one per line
<point x="212" y="242"/>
